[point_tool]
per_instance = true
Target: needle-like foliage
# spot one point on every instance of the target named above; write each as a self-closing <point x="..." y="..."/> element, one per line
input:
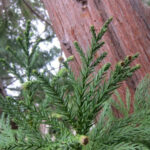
<point x="131" y="132"/>
<point x="68" y="112"/>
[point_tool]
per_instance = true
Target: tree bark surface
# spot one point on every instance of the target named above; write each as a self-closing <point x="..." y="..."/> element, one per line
<point x="128" y="33"/>
<point x="2" y="92"/>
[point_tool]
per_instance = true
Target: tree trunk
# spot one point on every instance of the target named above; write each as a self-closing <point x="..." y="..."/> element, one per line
<point x="2" y="91"/>
<point x="128" y="33"/>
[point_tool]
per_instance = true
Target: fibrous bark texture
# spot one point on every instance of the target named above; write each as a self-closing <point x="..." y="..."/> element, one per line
<point x="128" y="33"/>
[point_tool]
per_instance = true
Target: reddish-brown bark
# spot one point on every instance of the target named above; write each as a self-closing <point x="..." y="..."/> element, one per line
<point x="128" y="33"/>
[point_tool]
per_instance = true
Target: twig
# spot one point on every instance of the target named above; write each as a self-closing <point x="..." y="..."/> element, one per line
<point x="36" y="13"/>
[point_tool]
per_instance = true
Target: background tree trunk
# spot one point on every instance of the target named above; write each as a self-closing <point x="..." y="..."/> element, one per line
<point x="128" y="33"/>
<point x="2" y="91"/>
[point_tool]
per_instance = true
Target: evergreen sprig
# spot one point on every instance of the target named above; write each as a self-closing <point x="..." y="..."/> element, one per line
<point x="89" y="93"/>
<point x="131" y="131"/>
<point x="69" y="109"/>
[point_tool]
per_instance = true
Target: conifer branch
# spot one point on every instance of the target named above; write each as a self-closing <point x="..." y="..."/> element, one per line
<point x="70" y="108"/>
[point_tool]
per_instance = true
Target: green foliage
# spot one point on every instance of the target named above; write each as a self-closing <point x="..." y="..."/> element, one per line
<point x="70" y="110"/>
<point x="7" y="136"/>
<point x="147" y="1"/>
<point x="142" y="94"/>
<point x="13" y="14"/>
<point x="130" y="132"/>
<point x="28" y="57"/>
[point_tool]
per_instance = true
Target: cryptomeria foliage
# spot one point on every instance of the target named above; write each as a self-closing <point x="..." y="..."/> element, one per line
<point x="69" y="110"/>
<point x="132" y="132"/>
<point x="13" y="14"/>
<point x="147" y="1"/>
<point x="24" y="57"/>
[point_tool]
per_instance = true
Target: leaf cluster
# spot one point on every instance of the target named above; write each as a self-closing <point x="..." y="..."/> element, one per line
<point x="68" y="110"/>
